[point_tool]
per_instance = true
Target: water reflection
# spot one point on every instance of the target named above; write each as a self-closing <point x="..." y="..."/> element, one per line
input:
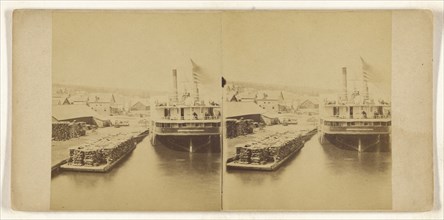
<point x="373" y="161"/>
<point x="152" y="178"/>
<point x="319" y="177"/>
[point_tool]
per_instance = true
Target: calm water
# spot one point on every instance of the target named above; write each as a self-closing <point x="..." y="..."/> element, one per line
<point x="319" y="177"/>
<point x="157" y="178"/>
<point x="152" y="178"/>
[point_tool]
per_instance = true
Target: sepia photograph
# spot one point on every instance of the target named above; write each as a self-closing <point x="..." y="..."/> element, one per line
<point x="248" y="110"/>
<point x="137" y="111"/>
<point x="307" y="110"/>
<point x="136" y="116"/>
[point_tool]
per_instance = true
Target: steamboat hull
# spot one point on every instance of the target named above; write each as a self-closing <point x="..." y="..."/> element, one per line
<point x="359" y="142"/>
<point x="192" y="143"/>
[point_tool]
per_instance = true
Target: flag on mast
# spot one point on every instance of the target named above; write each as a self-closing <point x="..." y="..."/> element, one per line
<point x="199" y="74"/>
<point x="370" y="73"/>
<point x="365" y="77"/>
<point x="199" y="77"/>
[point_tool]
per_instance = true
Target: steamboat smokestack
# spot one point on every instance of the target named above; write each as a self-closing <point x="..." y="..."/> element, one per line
<point x="344" y="84"/>
<point x="175" y="98"/>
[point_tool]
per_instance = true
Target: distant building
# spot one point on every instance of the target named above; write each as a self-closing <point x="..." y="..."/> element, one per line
<point x="247" y="96"/>
<point x="78" y="113"/>
<point x="309" y="106"/>
<point x="120" y="105"/>
<point x="77" y="99"/>
<point x="271" y="101"/>
<point x="140" y="108"/>
<point x="102" y="103"/>
<point x="245" y="110"/>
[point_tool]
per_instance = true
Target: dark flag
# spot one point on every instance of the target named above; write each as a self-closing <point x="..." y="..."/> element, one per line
<point x="370" y="74"/>
<point x="199" y="74"/>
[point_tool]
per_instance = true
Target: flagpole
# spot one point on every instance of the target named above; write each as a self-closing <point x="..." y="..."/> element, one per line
<point x="196" y="81"/>
<point x="365" y="80"/>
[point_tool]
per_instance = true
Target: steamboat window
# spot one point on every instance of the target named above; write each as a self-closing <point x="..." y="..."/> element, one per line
<point x="389" y="123"/>
<point x="377" y="123"/>
<point x="384" y="123"/>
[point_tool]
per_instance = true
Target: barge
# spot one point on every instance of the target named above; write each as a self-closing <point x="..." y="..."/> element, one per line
<point x="269" y="153"/>
<point x="103" y="154"/>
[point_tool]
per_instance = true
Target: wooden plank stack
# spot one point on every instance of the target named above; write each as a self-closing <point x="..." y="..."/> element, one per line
<point x="239" y="127"/>
<point x="269" y="149"/>
<point x="62" y="131"/>
<point x="102" y="151"/>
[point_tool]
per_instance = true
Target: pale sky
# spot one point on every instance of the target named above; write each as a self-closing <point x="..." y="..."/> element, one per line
<point x="133" y="49"/>
<point x="306" y="48"/>
<point x="139" y="49"/>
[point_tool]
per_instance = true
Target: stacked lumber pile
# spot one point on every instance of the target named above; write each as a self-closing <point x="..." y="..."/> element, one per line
<point x="239" y="127"/>
<point x="268" y="149"/>
<point x="62" y="131"/>
<point x="102" y="151"/>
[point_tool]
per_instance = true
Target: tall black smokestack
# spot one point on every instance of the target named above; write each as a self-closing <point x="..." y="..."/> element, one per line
<point x="344" y="84"/>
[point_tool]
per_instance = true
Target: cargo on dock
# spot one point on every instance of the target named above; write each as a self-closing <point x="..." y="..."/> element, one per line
<point x="238" y="127"/>
<point x="62" y="131"/>
<point x="270" y="152"/>
<point x="103" y="154"/>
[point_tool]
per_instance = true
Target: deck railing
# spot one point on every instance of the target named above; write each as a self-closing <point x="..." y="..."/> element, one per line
<point x="360" y="117"/>
<point x="191" y="118"/>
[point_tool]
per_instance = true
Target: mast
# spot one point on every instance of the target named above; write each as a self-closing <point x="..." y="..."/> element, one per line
<point x="365" y="85"/>
<point x="196" y="92"/>
<point x="365" y="77"/>
<point x="196" y="78"/>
